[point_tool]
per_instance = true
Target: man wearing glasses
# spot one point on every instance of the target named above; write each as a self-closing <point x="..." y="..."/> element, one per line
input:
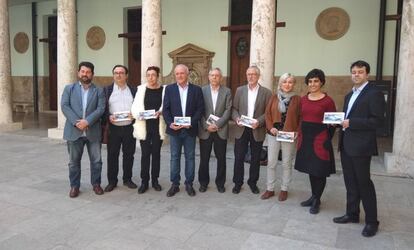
<point x="119" y="96"/>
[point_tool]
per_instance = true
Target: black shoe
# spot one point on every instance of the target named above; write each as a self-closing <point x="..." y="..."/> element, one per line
<point x="202" y="188"/>
<point x="254" y="189"/>
<point x="130" y="184"/>
<point x="156" y="186"/>
<point x="346" y="219"/>
<point x="236" y="189"/>
<point x="110" y="187"/>
<point x="173" y="190"/>
<point x="190" y="190"/>
<point x="308" y="202"/>
<point x="143" y="188"/>
<point x="221" y="189"/>
<point x="370" y="229"/>
<point x="314" y="209"/>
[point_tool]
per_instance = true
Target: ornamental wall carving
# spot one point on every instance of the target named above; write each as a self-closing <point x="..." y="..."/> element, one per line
<point x="197" y="59"/>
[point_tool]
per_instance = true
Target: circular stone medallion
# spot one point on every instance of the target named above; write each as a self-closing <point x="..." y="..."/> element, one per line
<point x="95" y="38"/>
<point x="21" y="42"/>
<point x="332" y="23"/>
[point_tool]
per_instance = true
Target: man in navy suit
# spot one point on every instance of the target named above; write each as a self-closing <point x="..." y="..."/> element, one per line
<point x="83" y="104"/>
<point x="364" y="109"/>
<point x="182" y="99"/>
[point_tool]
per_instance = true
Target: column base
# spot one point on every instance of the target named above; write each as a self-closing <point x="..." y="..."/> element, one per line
<point x="14" y="126"/>
<point x="399" y="165"/>
<point x="55" y="133"/>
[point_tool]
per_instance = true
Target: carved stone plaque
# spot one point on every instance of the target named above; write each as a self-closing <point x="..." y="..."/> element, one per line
<point x="197" y="59"/>
<point x="332" y="23"/>
<point x="21" y="42"/>
<point x="95" y="38"/>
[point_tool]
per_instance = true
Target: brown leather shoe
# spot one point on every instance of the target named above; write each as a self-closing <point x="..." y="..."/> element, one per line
<point x="74" y="192"/>
<point x="266" y="195"/>
<point x="283" y="195"/>
<point x="97" y="189"/>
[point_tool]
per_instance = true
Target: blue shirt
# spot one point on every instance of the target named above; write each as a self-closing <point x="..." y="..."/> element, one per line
<point x="84" y="103"/>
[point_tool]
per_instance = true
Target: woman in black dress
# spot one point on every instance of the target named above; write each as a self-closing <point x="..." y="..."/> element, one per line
<point x="315" y="153"/>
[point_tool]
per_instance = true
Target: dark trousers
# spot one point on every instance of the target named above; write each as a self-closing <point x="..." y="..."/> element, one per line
<point x="359" y="186"/>
<point x="150" y="156"/>
<point x="120" y="136"/>
<point x="220" y="146"/>
<point x="317" y="185"/>
<point x="240" y="151"/>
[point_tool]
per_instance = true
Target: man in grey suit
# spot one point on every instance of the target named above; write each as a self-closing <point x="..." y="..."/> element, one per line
<point x="83" y="104"/>
<point x="250" y="100"/>
<point x="217" y="102"/>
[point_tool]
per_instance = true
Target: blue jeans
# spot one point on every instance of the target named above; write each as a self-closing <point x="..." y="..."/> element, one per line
<point x="176" y="144"/>
<point x="75" y="150"/>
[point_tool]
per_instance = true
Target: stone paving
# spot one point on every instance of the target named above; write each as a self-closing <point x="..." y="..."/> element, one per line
<point x="37" y="213"/>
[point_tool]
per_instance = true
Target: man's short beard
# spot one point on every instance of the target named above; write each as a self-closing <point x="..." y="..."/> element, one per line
<point x="88" y="81"/>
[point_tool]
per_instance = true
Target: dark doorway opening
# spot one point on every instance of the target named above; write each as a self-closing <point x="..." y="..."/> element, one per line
<point x="52" y="44"/>
<point x="241" y="14"/>
<point x="134" y="17"/>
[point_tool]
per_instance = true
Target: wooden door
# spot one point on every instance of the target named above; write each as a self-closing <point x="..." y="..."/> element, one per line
<point x="134" y="61"/>
<point x="134" y="46"/>
<point x="240" y="56"/>
<point x="52" y="44"/>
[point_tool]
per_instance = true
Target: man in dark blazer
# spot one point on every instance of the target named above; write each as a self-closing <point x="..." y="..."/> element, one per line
<point x="83" y="104"/>
<point x="364" y="109"/>
<point x="182" y="99"/>
<point x="217" y="102"/>
<point x="250" y="100"/>
<point x="119" y="97"/>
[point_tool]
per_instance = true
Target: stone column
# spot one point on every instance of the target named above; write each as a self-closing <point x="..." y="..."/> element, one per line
<point x="67" y="56"/>
<point x="6" y="117"/>
<point x="401" y="160"/>
<point x="151" y="43"/>
<point x="262" y="45"/>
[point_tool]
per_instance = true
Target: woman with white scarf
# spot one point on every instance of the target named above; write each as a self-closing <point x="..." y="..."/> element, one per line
<point x="282" y="114"/>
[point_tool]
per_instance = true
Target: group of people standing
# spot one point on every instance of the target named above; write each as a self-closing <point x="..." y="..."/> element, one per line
<point x="209" y="110"/>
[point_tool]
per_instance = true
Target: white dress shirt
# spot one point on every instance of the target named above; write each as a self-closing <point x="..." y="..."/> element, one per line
<point x="183" y="96"/>
<point x="214" y="96"/>
<point x="120" y="101"/>
<point x="251" y="100"/>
